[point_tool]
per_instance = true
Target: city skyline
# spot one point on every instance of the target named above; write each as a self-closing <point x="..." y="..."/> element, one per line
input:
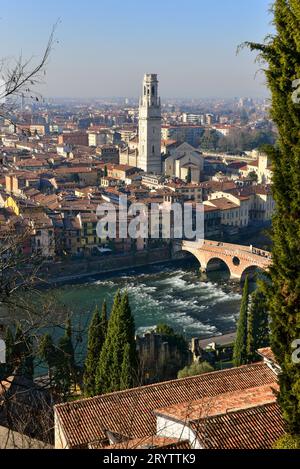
<point x="108" y="58"/>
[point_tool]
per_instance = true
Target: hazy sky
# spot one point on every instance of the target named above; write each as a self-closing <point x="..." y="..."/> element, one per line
<point x="105" y="46"/>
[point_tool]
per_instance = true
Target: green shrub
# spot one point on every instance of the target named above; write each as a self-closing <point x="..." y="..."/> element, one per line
<point x="195" y="369"/>
<point x="288" y="442"/>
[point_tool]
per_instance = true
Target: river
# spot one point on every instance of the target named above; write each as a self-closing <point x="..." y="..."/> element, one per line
<point x="170" y="294"/>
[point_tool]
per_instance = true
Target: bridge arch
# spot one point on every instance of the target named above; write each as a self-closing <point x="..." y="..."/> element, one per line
<point x="253" y="271"/>
<point x="217" y="263"/>
<point x="199" y="256"/>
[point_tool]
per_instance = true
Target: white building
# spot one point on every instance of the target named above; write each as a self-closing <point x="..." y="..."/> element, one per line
<point x="97" y="138"/>
<point x="183" y="159"/>
<point x="234" y="208"/>
<point x="149" y="155"/>
<point x="261" y="167"/>
<point x="192" y="118"/>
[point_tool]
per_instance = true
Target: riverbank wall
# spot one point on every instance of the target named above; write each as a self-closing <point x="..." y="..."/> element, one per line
<point x="72" y="270"/>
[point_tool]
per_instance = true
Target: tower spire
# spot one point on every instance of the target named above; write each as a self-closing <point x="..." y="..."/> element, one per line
<point x="149" y="158"/>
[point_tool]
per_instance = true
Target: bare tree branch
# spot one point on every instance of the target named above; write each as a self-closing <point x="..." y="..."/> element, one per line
<point x="19" y="80"/>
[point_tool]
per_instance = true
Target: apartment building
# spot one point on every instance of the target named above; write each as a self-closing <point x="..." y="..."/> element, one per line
<point x="234" y="206"/>
<point x="182" y="133"/>
<point x="74" y="138"/>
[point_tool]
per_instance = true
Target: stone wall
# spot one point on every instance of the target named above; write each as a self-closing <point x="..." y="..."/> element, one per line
<point x="87" y="267"/>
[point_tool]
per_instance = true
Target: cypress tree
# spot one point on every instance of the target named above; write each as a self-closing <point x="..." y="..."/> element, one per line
<point x="281" y="54"/>
<point x="93" y="354"/>
<point x="104" y="321"/>
<point x="47" y="353"/>
<point x="103" y="374"/>
<point x="65" y="369"/>
<point x="22" y="353"/>
<point x="127" y="360"/>
<point x="240" y="346"/>
<point x="258" y="325"/>
<point x="66" y="345"/>
<point x="128" y="374"/>
<point x="18" y="345"/>
<point x="120" y="336"/>
<point x="96" y="338"/>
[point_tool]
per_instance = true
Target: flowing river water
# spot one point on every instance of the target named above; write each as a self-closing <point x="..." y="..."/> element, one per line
<point x="171" y="294"/>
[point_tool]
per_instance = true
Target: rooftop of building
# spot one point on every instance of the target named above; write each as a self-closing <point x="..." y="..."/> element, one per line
<point x="222" y="203"/>
<point x="221" y="404"/>
<point x="267" y="353"/>
<point x="222" y="340"/>
<point x="218" y="185"/>
<point x="251" y="428"/>
<point x="131" y="413"/>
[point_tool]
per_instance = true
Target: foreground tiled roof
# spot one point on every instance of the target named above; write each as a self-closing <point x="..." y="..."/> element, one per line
<point x="254" y="428"/>
<point x="221" y="404"/>
<point x="131" y="413"/>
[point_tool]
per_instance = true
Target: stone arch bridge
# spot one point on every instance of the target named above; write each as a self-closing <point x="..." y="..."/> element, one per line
<point x="237" y="258"/>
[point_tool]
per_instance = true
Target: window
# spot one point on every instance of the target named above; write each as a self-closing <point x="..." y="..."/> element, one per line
<point x="153" y="90"/>
<point x="153" y="149"/>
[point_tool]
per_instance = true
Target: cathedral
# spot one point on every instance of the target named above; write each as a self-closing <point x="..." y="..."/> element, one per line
<point x="146" y="152"/>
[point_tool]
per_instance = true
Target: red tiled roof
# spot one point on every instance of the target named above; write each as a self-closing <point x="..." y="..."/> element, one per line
<point x="131" y="413"/>
<point x="221" y="404"/>
<point x="209" y="208"/>
<point x="75" y="170"/>
<point x="223" y="204"/>
<point x="218" y="185"/>
<point x="254" y="428"/>
<point x="267" y="353"/>
<point x="253" y="164"/>
<point x="33" y="162"/>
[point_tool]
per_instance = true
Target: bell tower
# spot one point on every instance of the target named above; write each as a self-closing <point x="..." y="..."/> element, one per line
<point x="149" y="158"/>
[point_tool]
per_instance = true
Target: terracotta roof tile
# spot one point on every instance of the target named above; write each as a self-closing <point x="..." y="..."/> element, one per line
<point x="254" y="428"/>
<point x="131" y="413"/>
<point x="221" y="404"/>
<point x="223" y="203"/>
<point x="267" y="353"/>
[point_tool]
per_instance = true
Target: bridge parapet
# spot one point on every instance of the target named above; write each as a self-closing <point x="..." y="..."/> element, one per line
<point x="226" y="247"/>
